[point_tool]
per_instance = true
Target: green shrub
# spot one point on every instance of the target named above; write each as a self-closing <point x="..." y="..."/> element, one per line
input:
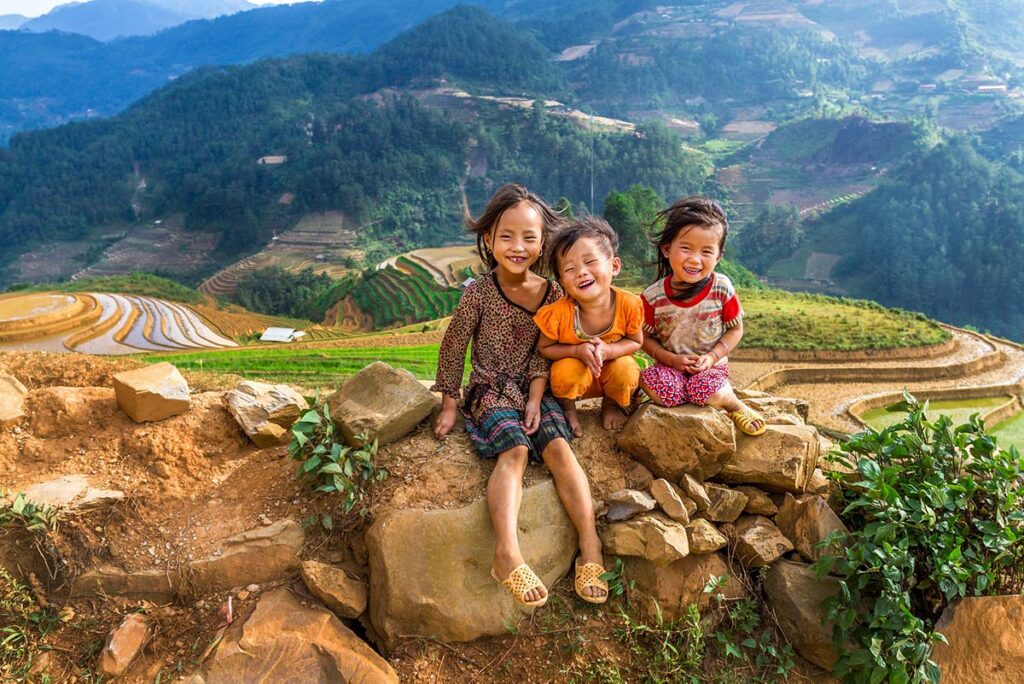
<point x="329" y="466"/>
<point x="938" y="514"/>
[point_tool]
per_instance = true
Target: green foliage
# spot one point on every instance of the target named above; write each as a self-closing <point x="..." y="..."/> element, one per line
<point x="331" y="467"/>
<point x="34" y="517"/>
<point x="943" y="234"/>
<point x="618" y="584"/>
<point x="773" y="234"/>
<point x="279" y="292"/>
<point x="144" y="284"/>
<point x="631" y="214"/>
<point x="23" y="625"/>
<point x="937" y="515"/>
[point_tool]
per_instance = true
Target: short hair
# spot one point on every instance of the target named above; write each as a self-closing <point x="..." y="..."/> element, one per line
<point x="593" y="227"/>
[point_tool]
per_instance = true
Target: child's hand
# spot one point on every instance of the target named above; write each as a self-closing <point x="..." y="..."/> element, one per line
<point x="602" y="348"/>
<point x="703" y="362"/>
<point x="589" y="355"/>
<point x="684" y="362"/>
<point x="531" y="417"/>
<point x="445" y="421"/>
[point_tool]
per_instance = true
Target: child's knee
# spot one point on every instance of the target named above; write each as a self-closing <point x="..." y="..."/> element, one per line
<point x="620" y="379"/>
<point x="570" y="378"/>
<point x="558" y="456"/>
<point x="514" y="459"/>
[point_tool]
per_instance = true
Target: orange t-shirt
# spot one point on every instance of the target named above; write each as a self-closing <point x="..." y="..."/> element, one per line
<point x="559" y="321"/>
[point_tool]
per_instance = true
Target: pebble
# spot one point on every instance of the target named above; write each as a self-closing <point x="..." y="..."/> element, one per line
<point x="264" y="520"/>
<point x="98" y="528"/>
<point x="242" y="595"/>
<point x="17" y="430"/>
<point x="253" y="588"/>
<point x="152" y="551"/>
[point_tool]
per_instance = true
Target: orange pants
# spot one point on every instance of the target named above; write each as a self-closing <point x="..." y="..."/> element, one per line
<point x="571" y="379"/>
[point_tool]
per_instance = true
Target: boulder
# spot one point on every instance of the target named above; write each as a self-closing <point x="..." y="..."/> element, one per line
<point x="152" y="393"/>
<point x="672" y="500"/>
<point x="672" y="588"/>
<point x="674" y="441"/>
<point x="782" y="459"/>
<point x="345" y="596"/>
<point x="759" y="542"/>
<point x="625" y="503"/>
<point x="652" y="536"/>
<point x="807" y="520"/>
<point x="12" y="399"/>
<point x="704" y="537"/>
<point x="287" y="640"/>
<point x="796" y="594"/>
<point x="758" y="501"/>
<point x="726" y="504"/>
<point x="124" y="644"/>
<point x="71" y="493"/>
<point x="430" y="569"/>
<point x="986" y="640"/>
<point x="774" y="407"/>
<point x="695" y="490"/>
<point x="383" y="402"/>
<point x="266" y="412"/>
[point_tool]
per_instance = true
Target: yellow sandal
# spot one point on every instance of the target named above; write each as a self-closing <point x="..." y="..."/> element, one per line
<point x="519" y="582"/>
<point x="745" y="418"/>
<point x="589" y="575"/>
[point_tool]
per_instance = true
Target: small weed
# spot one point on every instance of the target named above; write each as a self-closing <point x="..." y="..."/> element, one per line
<point x="25" y="624"/>
<point x="33" y="517"/>
<point x="616" y="579"/>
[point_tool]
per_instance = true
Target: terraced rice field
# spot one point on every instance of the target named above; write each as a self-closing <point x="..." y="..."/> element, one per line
<point x="403" y="294"/>
<point x="103" y="324"/>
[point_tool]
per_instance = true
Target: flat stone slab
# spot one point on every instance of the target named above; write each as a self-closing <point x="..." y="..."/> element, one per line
<point x="71" y="492"/>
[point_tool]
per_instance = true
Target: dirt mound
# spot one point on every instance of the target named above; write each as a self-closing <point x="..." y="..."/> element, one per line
<point x="42" y="369"/>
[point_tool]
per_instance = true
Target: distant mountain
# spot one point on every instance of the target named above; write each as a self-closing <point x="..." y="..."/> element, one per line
<point x="108" y="19"/>
<point x="9" y="22"/>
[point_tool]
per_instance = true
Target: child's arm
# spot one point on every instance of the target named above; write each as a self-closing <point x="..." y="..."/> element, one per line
<point x="451" y="360"/>
<point x="585" y="352"/>
<point x="726" y="344"/>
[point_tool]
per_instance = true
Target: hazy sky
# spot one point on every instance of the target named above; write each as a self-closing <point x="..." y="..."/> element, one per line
<point x="34" y="8"/>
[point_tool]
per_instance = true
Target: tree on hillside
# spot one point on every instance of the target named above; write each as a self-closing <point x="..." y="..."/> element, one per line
<point x="774" y="234"/>
<point x="631" y="213"/>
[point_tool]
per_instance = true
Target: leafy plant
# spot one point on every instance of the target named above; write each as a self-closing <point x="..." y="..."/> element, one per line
<point x="33" y="517"/>
<point x="938" y="514"/>
<point x="616" y="579"/>
<point x="25" y="623"/>
<point x="331" y="467"/>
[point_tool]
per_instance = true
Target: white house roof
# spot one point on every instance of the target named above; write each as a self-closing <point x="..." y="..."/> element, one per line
<point x="280" y="335"/>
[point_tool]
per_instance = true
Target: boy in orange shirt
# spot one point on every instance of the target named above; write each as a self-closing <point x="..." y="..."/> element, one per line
<point x="592" y="333"/>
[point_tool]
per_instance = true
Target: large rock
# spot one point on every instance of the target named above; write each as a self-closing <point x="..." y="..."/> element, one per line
<point x="806" y="521"/>
<point x="626" y="503"/>
<point x="672" y="500"/>
<point x="71" y="493"/>
<point x="345" y="596"/>
<point x="773" y="407"/>
<point x="758" y="502"/>
<point x="12" y="399"/>
<point x="782" y="459"/>
<point x="695" y="490"/>
<point x="430" y="569"/>
<point x="704" y="537"/>
<point x="672" y="588"/>
<point x="726" y="504"/>
<point x="674" y="441"/>
<point x="384" y="402"/>
<point x="264" y="554"/>
<point x="986" y="641"/>
<point x="759" y="542"/>
<point x="266" y="412"/>
<point x="653" y="536"/>
<point x="796" y="594"/>
<point x="124" y="644"/>
<point x="287" y="641"/>
<point x="152" y="393"/>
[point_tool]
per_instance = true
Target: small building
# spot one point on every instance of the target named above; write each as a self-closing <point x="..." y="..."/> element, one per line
<point x="272" y="159"/>
<point x="281" y="335"/>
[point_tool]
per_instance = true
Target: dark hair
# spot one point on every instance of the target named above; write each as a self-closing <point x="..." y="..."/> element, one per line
<point x="506" y="197"/>
<point x="694" y="211"/>
<point x="593" y="227"/>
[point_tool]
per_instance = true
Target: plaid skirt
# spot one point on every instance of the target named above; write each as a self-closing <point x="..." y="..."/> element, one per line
<point x="502" y="429"/>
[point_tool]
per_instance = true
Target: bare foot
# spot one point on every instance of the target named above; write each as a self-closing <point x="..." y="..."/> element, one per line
<point x="503" y="567"/>
<point x="573" y="418"/>
<point x="612" y="415"/>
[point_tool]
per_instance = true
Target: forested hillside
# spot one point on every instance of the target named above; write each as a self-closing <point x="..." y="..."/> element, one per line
<point x="944" y="234"/>
<point x="197" y="142"/>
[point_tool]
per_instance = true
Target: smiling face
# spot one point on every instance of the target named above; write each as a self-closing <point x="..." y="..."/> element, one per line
<point x="694" y="253"/>
<point x="517" y="240"/>
<point x="586" y="270"/>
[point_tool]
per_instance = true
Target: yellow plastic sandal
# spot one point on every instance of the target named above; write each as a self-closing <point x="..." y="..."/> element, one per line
<point x="589" y="575"/>
<point x="519" y="582"/>
<point x="745" y="419"/>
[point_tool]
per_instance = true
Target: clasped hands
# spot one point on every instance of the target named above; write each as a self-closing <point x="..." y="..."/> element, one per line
<point x="692" y="363"/>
